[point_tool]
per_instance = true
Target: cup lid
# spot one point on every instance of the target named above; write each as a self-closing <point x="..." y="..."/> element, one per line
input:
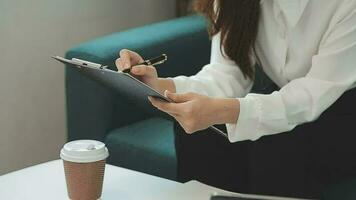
<point x="84" y="151"/>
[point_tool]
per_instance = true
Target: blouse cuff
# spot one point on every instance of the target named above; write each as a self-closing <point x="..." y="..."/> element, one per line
<point x="247" y="125"/>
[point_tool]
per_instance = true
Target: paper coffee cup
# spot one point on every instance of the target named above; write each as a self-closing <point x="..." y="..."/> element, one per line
<point x="84" y="167"/>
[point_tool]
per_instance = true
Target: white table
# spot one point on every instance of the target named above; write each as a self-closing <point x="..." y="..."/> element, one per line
<point x="46" y="181"/>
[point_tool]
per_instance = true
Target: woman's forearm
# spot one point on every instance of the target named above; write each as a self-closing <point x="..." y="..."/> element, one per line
<point x="166" y="84"/>
<point x="226" y="110"/>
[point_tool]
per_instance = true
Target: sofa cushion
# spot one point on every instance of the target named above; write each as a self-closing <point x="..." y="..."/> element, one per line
<point x="146" y="146"/>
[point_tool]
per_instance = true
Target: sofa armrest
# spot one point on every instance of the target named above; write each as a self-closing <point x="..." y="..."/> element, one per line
<point x="92" y="109"/>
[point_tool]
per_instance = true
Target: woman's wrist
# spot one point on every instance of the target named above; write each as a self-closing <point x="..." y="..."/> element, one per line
<point x="165" y="84"/>
<point x="226" y="110"/>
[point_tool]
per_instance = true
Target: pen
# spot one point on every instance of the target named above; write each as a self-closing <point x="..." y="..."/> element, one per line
<point x="153" y="61"/>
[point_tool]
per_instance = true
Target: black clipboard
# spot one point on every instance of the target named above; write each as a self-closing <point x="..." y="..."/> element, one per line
<point x="124" y="83"/>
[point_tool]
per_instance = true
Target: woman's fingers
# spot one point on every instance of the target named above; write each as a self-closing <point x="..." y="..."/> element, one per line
<point x="125" y="59"/>
<point x="167" y="107"/>
<point x="129" y="58"/>
<point x="178" y="98"/>
<point x="135" y="58"/>
<point x="119" y="64"/>
<point x="143" y="70"/>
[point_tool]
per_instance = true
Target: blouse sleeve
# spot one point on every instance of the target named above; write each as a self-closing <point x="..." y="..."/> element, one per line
<point x="302" y="100"/>
<point x="220" y="78"/>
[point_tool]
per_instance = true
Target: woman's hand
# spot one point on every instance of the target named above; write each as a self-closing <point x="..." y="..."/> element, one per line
<point x="146" y="74"/>
<point x="196" y="112"/>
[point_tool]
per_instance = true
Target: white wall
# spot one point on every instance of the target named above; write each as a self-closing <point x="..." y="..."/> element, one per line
<point x="32" y="106"/>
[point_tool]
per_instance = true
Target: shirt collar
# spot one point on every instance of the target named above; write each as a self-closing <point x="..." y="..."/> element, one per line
<point x="292" y="9"/>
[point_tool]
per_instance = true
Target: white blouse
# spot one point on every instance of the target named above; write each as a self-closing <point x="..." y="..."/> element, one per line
<point x="307" y="47"/>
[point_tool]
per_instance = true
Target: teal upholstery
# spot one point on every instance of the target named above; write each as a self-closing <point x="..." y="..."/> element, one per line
<point x="145" y="146"/>
<point x="132" y="134"/>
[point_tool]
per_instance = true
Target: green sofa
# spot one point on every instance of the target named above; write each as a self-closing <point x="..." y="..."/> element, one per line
<point x="137" y="139"/>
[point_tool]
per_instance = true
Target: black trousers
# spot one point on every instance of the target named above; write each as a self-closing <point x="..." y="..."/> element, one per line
<point x="301" y="163"/>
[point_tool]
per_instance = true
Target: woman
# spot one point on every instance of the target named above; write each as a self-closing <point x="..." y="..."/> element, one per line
<point x="308" y="49"/>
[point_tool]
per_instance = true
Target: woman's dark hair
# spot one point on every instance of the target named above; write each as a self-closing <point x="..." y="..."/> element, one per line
<point x="237" y="20"/>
